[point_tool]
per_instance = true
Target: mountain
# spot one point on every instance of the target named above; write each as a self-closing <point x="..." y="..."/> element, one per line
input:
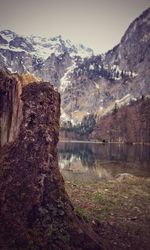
<point x="132" y="53"/>
<point x="88" y="83"/>
<point x="121" y="75"/>
<point x="46" y="58"/>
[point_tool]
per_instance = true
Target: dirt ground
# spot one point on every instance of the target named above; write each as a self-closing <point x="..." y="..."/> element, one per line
<point x="118" y="210"/>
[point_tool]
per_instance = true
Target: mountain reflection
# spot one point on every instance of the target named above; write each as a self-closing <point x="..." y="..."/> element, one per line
<point x="93" y="161"/>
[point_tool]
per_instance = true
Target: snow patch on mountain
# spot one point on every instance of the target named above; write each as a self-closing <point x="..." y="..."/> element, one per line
<point x="83" y="52"/>
<point x="64" y="118"/>
<point x="125" y="100"/>
<point x="65" y="80"/>
<point x="117" y="73"/>
<point x="97" y="85"/>
<point x="44" y="47"/>
<point x="6" y="47"/>
<point x="91" y="67"/>
<point x="7" y="35"/>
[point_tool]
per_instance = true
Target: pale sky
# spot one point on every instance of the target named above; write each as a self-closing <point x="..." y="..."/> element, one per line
<point x="98" y="24"/>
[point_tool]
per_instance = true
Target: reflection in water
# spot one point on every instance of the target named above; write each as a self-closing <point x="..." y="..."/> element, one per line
<point x="93" y="161"/>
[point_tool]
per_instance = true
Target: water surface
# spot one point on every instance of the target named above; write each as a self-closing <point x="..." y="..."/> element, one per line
<point x="91" y="162"/>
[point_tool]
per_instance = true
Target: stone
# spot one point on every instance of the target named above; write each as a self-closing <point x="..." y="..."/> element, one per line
<point x="124" y="176"/>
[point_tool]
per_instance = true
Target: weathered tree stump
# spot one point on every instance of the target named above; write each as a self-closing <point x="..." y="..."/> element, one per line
<point x="35" y="211"/>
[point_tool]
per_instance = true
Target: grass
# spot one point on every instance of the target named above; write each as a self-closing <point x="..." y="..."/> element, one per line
<point x="123" y="204"/>
<point x="131" y="195"/>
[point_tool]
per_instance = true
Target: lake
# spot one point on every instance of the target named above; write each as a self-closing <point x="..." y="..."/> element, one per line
<point x="92" y="162"/>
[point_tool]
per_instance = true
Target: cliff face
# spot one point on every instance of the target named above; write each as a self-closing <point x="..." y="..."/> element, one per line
<point x="95" y="84"/>
<point x="132" y="53"/>
<point x="35" y="212"/>
<point x="127" y="124"/>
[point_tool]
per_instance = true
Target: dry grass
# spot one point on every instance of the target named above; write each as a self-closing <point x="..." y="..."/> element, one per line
<point x="121" y="204"/>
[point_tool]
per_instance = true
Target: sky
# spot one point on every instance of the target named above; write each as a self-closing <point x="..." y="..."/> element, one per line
<point x="98" y="24"/>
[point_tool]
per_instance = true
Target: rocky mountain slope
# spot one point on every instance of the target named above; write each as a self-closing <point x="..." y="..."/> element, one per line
<point x="87" y="83"/>
<point x="121" y="75"/>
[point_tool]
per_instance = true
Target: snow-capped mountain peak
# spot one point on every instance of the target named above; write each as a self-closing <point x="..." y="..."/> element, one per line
<point x="8" y="35"/>
<point x="42" y="47"/>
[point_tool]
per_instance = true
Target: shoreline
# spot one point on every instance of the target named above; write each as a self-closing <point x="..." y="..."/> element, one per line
<point x="102" y="143"/>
